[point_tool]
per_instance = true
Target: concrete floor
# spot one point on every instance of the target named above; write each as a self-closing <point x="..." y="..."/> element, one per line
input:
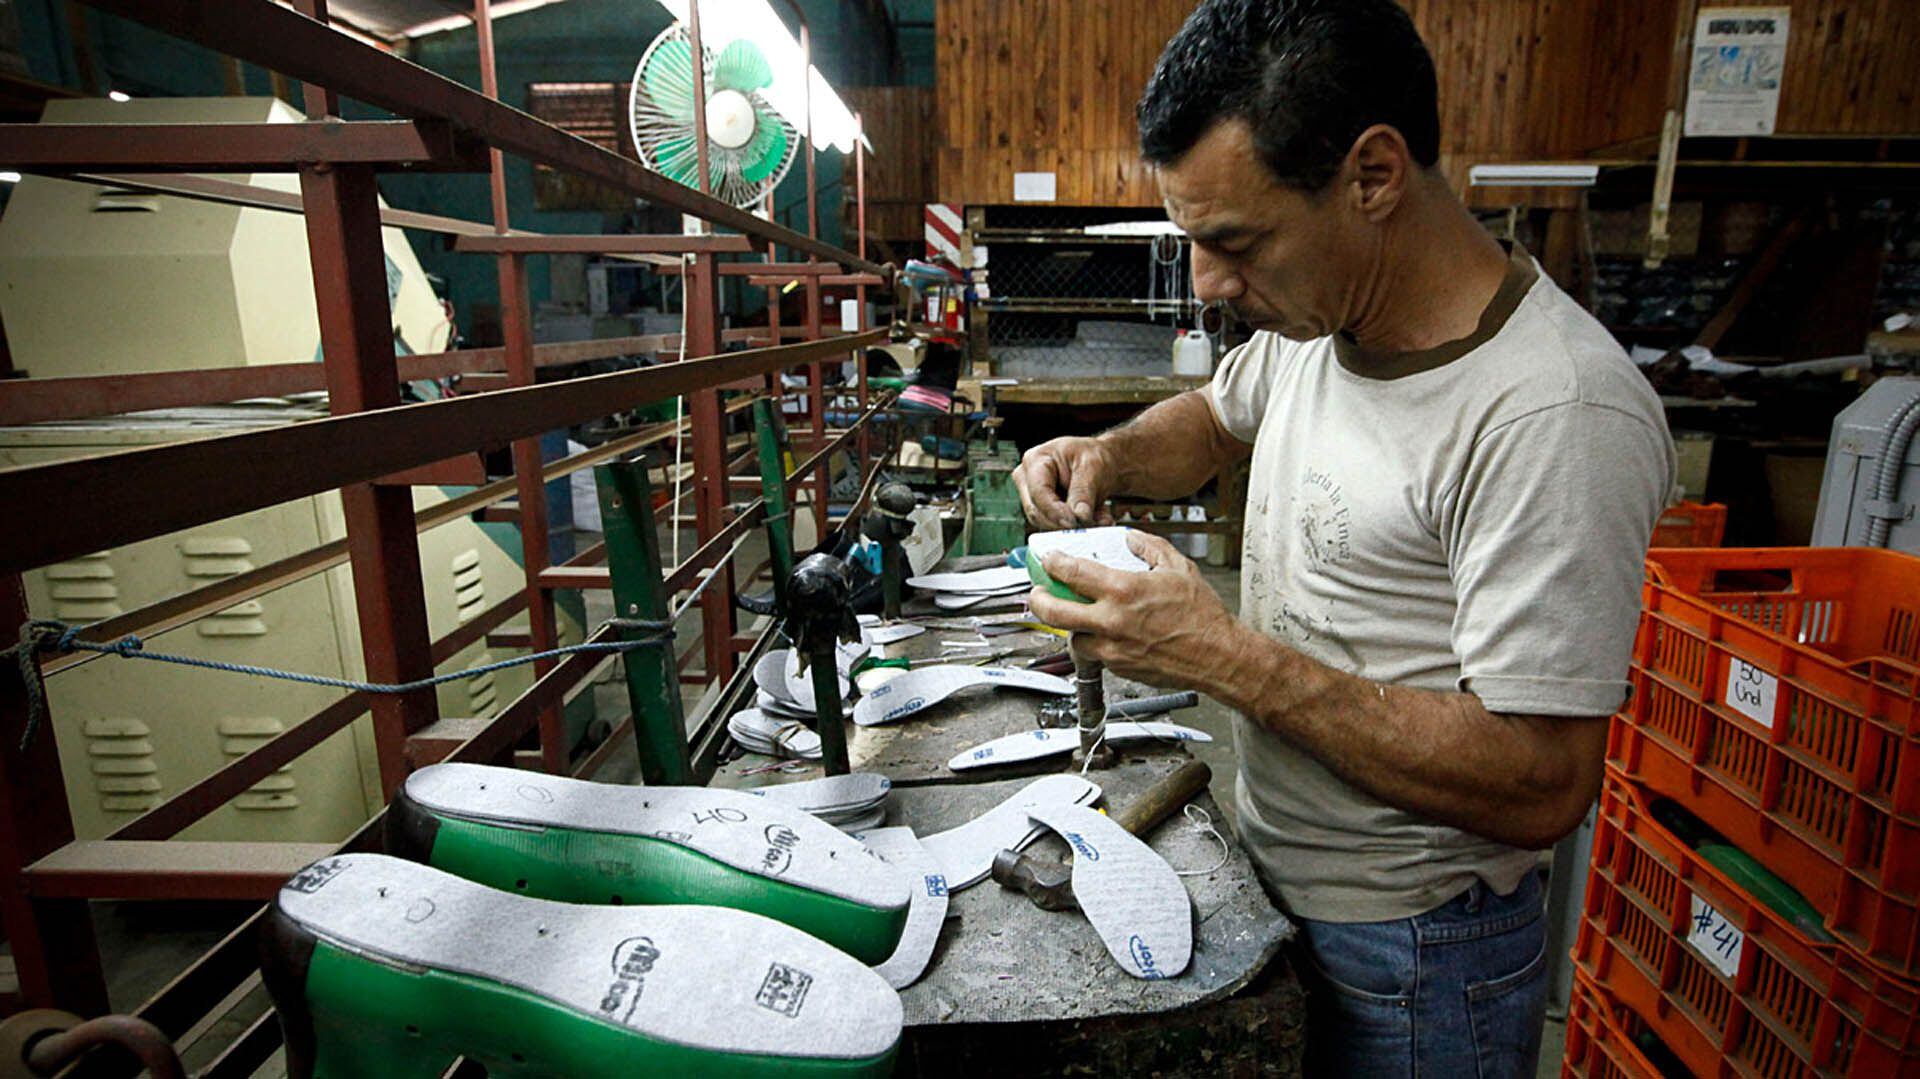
<point x="145" y="944"/>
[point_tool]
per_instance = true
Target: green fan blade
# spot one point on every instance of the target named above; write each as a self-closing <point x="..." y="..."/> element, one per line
<point x="767" y="148"/>
<point x="669" y="79"/>
<point x="742" y="68"/>
<point x="677" y="160"/>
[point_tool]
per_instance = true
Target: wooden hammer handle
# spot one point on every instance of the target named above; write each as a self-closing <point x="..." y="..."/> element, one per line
<point x="1161" y="800"/>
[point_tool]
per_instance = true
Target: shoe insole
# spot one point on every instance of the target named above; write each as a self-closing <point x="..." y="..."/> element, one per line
<point x="965" y="854"/>
<point x="900" y="847"/>
<point x="382" y="967"/>
<point x="580" y="842"/>
<point x="1131" y="895"/>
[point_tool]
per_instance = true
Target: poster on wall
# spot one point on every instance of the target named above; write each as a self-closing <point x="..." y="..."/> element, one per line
<point x="1739" y="54"/>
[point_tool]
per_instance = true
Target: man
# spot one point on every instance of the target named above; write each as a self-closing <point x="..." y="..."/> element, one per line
<point x="1455" y="474"/>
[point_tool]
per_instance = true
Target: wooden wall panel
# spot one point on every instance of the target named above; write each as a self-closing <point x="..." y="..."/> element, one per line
<point x="1851" y="68"/>
<point x="1023" y="82"/>
<point x="903" y="170"/>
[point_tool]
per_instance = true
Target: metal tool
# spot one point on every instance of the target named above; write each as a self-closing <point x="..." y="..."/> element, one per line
<point x="888" y="524"/>
<point x="1091" y="691"/>
<point x="1063" y="713"/>
<point x="1049" y="883"/>
<point x="819" y="616"/>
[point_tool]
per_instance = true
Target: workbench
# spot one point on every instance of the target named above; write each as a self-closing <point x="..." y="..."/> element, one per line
<point x="1018" y="990"/>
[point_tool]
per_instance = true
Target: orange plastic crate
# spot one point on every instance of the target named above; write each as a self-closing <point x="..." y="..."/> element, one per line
<point x="1690" y="524"/>
<point x="1599" y="1045"/>
<point x="1777" y="695"/>
<point x="1789" y="1007"/>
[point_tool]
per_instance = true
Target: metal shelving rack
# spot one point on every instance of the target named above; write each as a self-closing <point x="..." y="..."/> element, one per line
<point x="371" y="448"/>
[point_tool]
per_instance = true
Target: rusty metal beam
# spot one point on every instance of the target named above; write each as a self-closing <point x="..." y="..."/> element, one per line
<point x="69" y="148"/>
<point x="609" y="244"/>
<point x="37" y="400"/>
<point x="135" y="495"/>
<point x="54" y="953"/>
<point x="173" y="869"/>
<point x="176" y="611"/>
<point x="283" y="40"/>
<point x="213" y="791"/>
<point x="356" y="337"/>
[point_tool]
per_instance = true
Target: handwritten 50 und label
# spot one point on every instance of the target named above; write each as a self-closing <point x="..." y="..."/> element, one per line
<point x="1717" y="940"/>
<point x="1131" y="895"/>
<point x="919" y="690"/>
<point x="1751" y="691"/>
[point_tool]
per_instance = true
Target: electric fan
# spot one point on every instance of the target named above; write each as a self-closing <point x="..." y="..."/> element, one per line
<point x="749" y="145"/>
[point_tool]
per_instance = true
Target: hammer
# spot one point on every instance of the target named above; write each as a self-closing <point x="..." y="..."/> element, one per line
<point x="887" y="524"/>
<point x="818" y="616"/>
<point x="1050" y="884"/>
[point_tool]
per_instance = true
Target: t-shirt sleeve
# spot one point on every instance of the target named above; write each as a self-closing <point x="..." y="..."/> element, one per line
<point x="1546" y="535"/>
<point x="1238" y="392"/>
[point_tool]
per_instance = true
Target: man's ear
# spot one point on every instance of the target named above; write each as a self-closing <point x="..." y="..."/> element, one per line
<point x="1377" y="170"/>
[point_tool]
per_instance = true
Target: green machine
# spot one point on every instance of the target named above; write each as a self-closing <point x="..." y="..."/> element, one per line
<point x="995" y="522"/>
<point x="383" y="967"/>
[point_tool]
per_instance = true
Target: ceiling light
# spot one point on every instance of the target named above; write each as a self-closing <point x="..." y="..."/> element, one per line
<point x="1533" y="175"/>
<point x="499" y="10"/>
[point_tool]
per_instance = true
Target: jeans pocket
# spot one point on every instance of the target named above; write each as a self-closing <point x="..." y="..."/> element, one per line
<point x="1506" y="1013"/>
<point x="1353" y="1032"/>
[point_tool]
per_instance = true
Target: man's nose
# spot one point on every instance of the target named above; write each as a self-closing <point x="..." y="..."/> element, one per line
<point x="1214" y="279"/>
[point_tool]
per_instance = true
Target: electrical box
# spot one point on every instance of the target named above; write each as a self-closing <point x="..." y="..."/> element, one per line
<point x="1853" y="455"/>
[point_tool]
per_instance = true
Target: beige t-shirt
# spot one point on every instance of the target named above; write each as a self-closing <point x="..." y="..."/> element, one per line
<point x="1478" y="525"/>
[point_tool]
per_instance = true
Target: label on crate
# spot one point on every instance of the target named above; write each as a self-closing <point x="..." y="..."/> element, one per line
<point x="1716" y="939"/>
<point x="1751" y="691"/>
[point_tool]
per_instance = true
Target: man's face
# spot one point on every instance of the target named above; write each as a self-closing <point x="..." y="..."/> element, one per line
<point x="1282" y="259"/>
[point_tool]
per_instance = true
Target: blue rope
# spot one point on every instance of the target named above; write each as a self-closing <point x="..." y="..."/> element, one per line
<point x="48" y="635"/>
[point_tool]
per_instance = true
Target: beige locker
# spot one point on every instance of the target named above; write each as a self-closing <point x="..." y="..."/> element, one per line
<point x="132" y="733"/>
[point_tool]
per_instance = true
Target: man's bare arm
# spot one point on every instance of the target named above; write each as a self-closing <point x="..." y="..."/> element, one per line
<point x="1519" y="779"/>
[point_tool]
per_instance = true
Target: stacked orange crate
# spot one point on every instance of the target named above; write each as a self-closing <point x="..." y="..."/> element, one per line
<point x="1777" y="699"/>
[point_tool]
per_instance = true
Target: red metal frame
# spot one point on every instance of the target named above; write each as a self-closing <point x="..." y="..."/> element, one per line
<point x="45" y="877"/>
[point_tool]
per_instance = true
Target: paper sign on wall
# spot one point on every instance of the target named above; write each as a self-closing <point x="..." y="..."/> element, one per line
<point x="1034" y="187"/>
<point x="1739" y="56"/>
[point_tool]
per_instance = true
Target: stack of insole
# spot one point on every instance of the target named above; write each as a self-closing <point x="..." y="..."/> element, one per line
<point x="773" y="736"/>
<point x="852" y="803"/>
<point x="785" y="693"/>
<point x="985" y="587"/>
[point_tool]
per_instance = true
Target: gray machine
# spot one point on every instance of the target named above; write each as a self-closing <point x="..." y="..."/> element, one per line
<point x="1872" y="482"/>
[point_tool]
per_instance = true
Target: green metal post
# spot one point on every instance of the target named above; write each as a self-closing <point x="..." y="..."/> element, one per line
<point x="653" y="675"/>
<point x="773" y="489"/>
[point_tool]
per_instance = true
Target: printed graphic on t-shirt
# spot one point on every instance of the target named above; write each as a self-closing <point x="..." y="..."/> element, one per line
<point x="1325" y="521"/>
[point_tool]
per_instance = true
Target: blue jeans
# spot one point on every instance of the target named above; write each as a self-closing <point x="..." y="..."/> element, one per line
<point x="1458" y="992"/>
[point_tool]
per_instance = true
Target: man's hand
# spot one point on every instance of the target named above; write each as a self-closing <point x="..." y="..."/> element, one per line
<point x="1065" y="483"/>
<point x="1165" y="627"/>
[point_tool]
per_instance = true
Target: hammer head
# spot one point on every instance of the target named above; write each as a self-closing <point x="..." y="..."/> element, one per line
<point x="1047" y="882"/>
<point x="817" y="604"/>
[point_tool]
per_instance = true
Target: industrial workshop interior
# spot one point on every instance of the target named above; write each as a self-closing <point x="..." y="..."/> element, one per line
<point x="960" y="538"/>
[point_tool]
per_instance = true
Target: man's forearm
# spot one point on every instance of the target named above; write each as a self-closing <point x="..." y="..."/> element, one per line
<point x="1171" y="449"/>
<point x="1522" y="780"/>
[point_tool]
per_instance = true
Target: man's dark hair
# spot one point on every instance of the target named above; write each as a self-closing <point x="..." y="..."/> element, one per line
<point x="1307" y="76"/>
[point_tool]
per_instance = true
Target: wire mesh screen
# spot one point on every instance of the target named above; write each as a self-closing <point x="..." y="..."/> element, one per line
<point x="1066" y="304"/>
